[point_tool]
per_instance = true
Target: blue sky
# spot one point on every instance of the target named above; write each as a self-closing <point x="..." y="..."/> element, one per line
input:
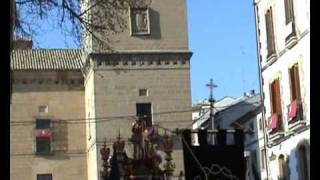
<point x="222" y="39"/>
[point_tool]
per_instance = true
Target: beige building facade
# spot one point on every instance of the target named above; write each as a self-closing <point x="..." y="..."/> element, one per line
<point x="54" y="96"/>
<point x="92" y="95"/>
<point x="152" y="57"/>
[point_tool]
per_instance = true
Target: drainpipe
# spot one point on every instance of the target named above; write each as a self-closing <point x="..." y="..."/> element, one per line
<point x="261" y="86"/>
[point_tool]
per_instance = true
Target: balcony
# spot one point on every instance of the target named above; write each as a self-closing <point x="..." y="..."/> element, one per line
<point x="43" y="141"/>
<point x="295" y="116"/>
<point x="275" y="129"/>
<point x="272" y="56"/>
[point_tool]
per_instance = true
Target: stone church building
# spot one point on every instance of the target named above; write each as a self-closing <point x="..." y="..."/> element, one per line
<point x="67" y="102"/>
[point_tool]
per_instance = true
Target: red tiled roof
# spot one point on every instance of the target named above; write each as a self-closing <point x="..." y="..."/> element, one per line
<point x="46" y="59"/>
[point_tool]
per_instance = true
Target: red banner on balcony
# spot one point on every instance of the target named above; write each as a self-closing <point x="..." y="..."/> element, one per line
<point x="293" y="110"/>
<point x="43" y="133"/>
<point x="273" y="122"/>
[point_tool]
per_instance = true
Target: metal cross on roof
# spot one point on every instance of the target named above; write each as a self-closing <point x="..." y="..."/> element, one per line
<point x="211" y="85"/>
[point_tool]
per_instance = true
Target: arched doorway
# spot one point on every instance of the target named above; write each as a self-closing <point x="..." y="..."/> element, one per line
<point x="283" y="167"/>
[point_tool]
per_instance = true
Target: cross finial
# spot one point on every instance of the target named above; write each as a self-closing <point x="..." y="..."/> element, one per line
<point x="211" y="85"/>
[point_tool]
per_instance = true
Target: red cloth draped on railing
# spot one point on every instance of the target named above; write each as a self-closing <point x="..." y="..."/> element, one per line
<point x="293" y="110"/>
<point x="43" y="133"/>
<point x="273" y="122"/>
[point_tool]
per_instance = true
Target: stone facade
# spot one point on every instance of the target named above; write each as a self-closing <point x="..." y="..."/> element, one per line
<point x="117" y="92"/>
<point x="95" y="91"/>
<point x="156" y="60"/>
<point x="167" y="23"/>
<point x="55" y="90"/>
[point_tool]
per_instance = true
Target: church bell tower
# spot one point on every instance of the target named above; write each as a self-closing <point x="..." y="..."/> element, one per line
<point x="137" y="67"/>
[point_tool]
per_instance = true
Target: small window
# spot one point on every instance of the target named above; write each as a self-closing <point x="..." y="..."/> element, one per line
<point x="144" y="113"/>
<point x="43" y="109"/>
<point x="43" y="123"/>
<point x="43" y="145"/>
<point x="143" y="92"/>
<point x="44" y="176"/>
<point x="294" y="82"/>
<point x="140" y="24"/>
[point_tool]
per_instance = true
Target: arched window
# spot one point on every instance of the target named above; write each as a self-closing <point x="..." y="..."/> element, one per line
<point x="303" y="160"/>
<point x="283" y="167"/>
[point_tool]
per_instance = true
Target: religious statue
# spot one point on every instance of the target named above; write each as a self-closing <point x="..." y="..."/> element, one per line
<point x="140" y="20"/>
<point x="145" y="160"/>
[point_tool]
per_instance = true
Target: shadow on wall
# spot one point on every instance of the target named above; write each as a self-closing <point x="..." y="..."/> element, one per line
<point x="59" y="142"/>
<point x="293" y="164"/>
<point x="299" y="162"/>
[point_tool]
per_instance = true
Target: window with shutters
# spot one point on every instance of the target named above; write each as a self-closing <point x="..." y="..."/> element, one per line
<point x="43" y="145"/>
<point x="275" y="97"/>
<point x="295" y="108"/>
<point x="294" y="82"/>
<point x="43" y="136"/>
<point x="139" y="18"/>
<point x="44" y="176"/>
<point x="288" y="6"/>
<point x="144" y="113"/>
<point x="276" y="108"/>
<point x="43" y="123"/>
<point x="291" y="39"/>
<point x="270" y="33"/>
